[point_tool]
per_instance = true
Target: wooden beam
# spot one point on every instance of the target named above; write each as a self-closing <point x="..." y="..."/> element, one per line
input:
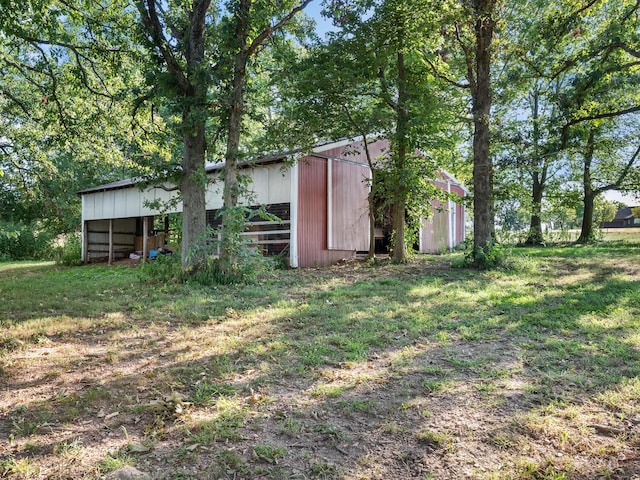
<point x="85" y="241"/>
<point x="145" y="238"/>
<point x="110" y="241"/>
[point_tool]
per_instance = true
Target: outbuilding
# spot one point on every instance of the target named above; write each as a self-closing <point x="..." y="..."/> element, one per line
<point x="320" y="201"/>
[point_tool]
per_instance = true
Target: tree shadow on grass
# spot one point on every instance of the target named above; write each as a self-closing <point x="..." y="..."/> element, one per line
<point x="395" y="386"/>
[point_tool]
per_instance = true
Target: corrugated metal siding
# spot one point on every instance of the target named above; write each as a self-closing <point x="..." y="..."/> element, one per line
<point x="312" y="215"/>
<point x="270" y="185"/>
<point x="355" y="152"/>
<point x="349" y="206"/>
<point x="460" y="233"/>
<point x="460" y="212"/>
<point x="435" y="232"/>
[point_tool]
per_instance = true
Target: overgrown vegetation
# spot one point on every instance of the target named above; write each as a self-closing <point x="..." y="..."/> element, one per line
<point x="248" y="262"/>
<point x="20" y="241"/>
<point x="360" y="371"/>
<point x="68" y="251"/>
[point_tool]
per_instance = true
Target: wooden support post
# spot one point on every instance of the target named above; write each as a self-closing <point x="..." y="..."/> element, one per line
<point x="110" y="241"/>
<point x="85" y="241"/>
<point x="145" y="238"/>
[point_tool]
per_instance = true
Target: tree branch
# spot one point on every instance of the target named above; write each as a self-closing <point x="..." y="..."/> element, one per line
<point x="153" y="27"/>
<point x="70" y="46"/>
<point x="268" y="31"/>
<point x="598" y="116"/>
<point x="54" y="88"/>
<point x="468" y="57"/>
<point x="17" y="101"/>
<point x="622" y="175"/>
<point x="385" y="90"/>
<point x="442" y="76"/>
<point x="85" y="77"/>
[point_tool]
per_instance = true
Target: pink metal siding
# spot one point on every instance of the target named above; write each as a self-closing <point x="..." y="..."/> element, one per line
<point x="346" y="196"/>
<point x="349" y="206"/>
<point x="435" y="232"/>
<point x="355" y="152"/>
<point x="350" y="221"/>
<point x="312" y="215"/>
<point x="459" y="214"/>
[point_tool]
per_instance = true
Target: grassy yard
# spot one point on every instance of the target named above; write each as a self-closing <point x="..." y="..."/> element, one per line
<point x="356" y="372"/>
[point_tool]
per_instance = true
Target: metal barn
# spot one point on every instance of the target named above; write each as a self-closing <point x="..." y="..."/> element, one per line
<point x="321" y="201"/>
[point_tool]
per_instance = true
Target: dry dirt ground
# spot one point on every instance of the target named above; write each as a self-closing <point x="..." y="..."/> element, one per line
<point x="78" y="403"/>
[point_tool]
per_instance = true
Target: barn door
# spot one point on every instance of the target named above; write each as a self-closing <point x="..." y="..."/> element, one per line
<point x="347" y="206"/>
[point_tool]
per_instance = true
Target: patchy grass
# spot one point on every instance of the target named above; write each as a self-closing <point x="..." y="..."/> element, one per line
<point x="357" y="371"/>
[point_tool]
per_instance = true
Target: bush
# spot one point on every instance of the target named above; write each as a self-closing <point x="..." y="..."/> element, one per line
<point x="487" y="258"/>
<point x="164" y="269"/>
<point x="206" y="269"/>
<point x="248" y="265"/>
<point x="20" y="241"/>
<point x="69" y="251"/>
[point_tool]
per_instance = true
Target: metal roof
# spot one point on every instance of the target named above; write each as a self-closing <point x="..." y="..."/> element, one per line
<point x="268" y="158"/>
<point x="209" y="168"/>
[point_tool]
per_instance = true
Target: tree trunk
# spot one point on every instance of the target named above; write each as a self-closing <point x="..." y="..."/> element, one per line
<point x="193" y="184"/>
<point x="372" y="227"/>
<point x="370" y="200"/>
<point x="535" y="237"/>
<point x="190" y="89"/>
<point x="586" y="233"/>
<point x="398" y="224"/>
<point x="482" y="163"/>
<point x="194" y="217"/>
<point x="399" y="207"/>
<point x="231" y="191"/>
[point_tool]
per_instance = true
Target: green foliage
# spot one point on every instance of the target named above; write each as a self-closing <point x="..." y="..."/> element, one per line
<point x="163" y="269"/>
<point x="603" y="210"/>
<point x="24" y="242"/>
<point x="12" y="466"/>
<point x="69" y="253"/>
<point x="240" y="261"/>
<point x="207" y="392"/>
<point x="373" y="77"/>
<point x="268" y="453"/>
<point x="115" y="460"/>
<point x="488" y="258"/>
<point x="208" y="269"/>
<point x="65" y="117"/>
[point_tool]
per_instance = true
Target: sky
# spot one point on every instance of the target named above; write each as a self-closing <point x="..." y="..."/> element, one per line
<point x="323" y="25"/>
<point x="614" y="195"/>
